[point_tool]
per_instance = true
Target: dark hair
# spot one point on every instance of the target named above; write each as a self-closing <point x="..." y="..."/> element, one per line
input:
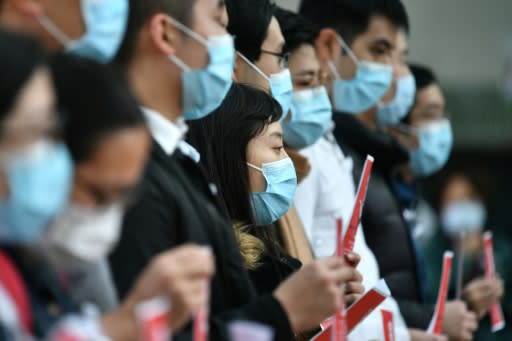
<point x="20" y="57"/>
<point x="222" y="139"/>
<point x="350" y="18"/>
<point x="296" y="29"/>
<point x="94" y="102"/>
<point x="141" y="11"/>
<point x="249" y="21"/>
<point x="423" y="75"/>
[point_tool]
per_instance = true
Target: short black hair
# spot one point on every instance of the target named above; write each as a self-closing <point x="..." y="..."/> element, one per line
<point x="249" y="21"/>
<point x="141" y="11"/>
<point x="21" y="56"/>
<point x="350" y="18"/>
<point x="423" y="75"/>
<point x="296" y="29"/>
<point x="94" y="102"/>
<point x="222" y="138"/>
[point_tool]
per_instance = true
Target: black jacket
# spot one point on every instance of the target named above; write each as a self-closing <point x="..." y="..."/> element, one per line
<point x="175" y="206"/>
<point x="386" y="232"/>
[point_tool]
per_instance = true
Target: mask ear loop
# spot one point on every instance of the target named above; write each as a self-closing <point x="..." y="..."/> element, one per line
<point x="175" y="59"/>
<point x="407" y="129"/>
<point x="347" y="49"/>
<point x="56" y="32"/>
<point x="253" y="66"/>
<point x="254" y="167"/>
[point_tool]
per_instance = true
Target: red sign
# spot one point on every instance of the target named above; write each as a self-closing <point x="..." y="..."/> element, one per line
<point x="388" y="325"/>
<point x="355" y="219"/>
<point x="436" y="325"/>
<point x="495" y="311"/>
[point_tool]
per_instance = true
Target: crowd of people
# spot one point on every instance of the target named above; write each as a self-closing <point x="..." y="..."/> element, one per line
<point x="200" y="153"/>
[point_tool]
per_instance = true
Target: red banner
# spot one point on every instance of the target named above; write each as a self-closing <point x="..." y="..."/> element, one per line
<point x="388" y="325"/>
<point x="350" y="235"/>
<point x="436" y="325"/>
<point x="495" y="311"/>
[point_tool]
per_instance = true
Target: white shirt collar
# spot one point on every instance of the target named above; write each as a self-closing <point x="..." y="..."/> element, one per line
<point x="165" y="132"/>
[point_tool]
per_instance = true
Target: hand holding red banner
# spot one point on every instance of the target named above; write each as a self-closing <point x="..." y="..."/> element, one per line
<point x="436" y="325"/>
<point x="201" y="325"/>
<point x="357" y="311"/>
<point x="495" y="311"/>
<point x="350" y="235"/>
<point x="154" y="320"/>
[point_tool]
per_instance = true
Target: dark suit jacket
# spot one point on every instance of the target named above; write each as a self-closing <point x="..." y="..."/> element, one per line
<point x="175" y="206"/>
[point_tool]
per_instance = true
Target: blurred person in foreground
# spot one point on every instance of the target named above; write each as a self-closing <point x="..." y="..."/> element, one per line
<point x="37" y="177"/>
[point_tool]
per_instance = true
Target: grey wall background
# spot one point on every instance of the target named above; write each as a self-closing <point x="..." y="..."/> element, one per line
<point x="467" y="42"/>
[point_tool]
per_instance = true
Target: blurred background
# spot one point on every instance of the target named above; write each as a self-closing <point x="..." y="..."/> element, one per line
<point x="468" y="43"/>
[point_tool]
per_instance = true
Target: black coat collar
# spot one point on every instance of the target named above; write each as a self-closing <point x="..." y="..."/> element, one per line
<point x="386" y="150"/>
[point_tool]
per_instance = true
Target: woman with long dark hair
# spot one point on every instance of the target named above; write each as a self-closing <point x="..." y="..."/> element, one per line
<point x="241" y="145"/>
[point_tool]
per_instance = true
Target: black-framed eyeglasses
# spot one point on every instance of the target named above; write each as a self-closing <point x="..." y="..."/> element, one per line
<point x="284" y="58"/>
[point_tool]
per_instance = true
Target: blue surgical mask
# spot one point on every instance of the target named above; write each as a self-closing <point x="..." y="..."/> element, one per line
<point x="364" y="91"/>
<point x="277" y="199"/>
<point x="39" y="179"/>
<point x="105" y="24"/>
<point x="281" y="86"/>
<point x="436" y="141"/>
<point x="393" y="112"/>
<point x="311" y="116"/>
<point x="205" y="89"/>
<point x="466" y="216"/>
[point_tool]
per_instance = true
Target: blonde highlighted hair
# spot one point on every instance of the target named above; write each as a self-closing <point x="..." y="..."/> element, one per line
<point x="251" y="247"/>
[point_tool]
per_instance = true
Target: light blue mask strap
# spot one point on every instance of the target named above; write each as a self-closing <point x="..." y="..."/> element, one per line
<point x="189" y="32"/>
<point x="253" y="66"/>
<point x="255" y="167"/>
<point x="56" y="32"/>
<point x="347" y="49"/>
<point x="192" y="35"/>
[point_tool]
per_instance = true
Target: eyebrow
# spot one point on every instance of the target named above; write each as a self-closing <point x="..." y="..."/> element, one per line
<point x="383" y="41"/>
<point x="277" y="134"/>
<point x="432" y="106"/>
<point x="304" y="73"/>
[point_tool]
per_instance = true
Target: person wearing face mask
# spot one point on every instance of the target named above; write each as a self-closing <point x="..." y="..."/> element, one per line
<point x="328" y="191"/>
<point x="426" y="132"/>
<point x="395" y="105"/>
<point x="89" y="28"/>
<point x="109" y="143"/>
<point x="262" y="63"/>
<point x="355" y="46"/>
<point x="171" y="52"/>
<point x="245" y="159"/>
<point x="259" y="42"/>
<point x="463" y="217"/>
<point x="32" y="165"/>
<point x="31" y="281"/>
<point x="245" y="131"/>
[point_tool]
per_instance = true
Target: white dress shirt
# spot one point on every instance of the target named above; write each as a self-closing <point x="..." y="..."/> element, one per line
<point x="327" y="193"/>
<point x="170" y="135"/>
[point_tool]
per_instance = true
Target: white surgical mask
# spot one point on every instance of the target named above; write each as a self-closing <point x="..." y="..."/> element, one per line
<point x="80" y="237"/>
